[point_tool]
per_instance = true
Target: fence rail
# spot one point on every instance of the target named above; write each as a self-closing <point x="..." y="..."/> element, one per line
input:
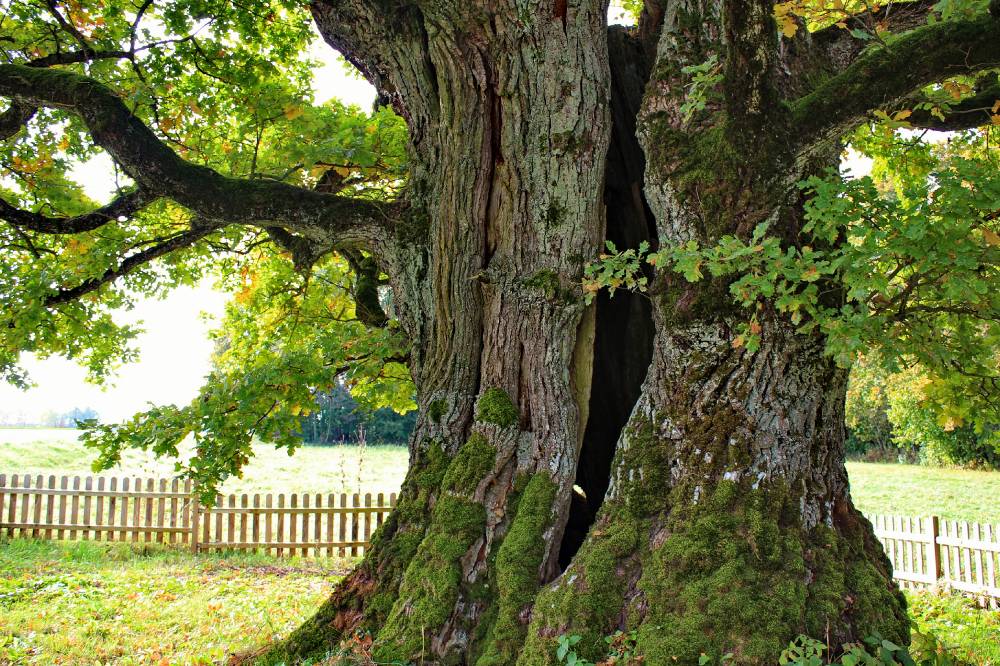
<point x="162" y="511"/>
<point x="927" y="551"/>
<point x="923" y="551"/>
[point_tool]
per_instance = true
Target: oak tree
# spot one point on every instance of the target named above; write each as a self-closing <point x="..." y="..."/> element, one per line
<point x="615" y="259"/>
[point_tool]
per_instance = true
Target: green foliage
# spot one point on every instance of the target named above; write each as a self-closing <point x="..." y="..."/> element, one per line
<point x="229" y="87"/>
<point x="868" y="426"/>
<point x="615" y="270"/>
<point x="705" y="77"/>
<point x="891" y="410"/>
<point x="926" y="650"/>
<point x="284" y="337"/>
<point x="885" y="265"/>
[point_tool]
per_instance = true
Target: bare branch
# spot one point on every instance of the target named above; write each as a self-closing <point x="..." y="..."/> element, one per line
<point x="125" y="205"/>
<point x="885" y="76"/>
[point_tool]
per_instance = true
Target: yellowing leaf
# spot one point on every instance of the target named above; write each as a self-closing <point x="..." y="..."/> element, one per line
<point x="902" y="115"/>
<point x="991" y="237"/>
<point x="293" y="111"/>
<point x="343" y="171"/>
<point x="996" y="107"/>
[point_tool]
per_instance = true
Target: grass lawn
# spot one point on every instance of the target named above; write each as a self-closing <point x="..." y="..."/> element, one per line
<point x="915" y="490"/>
<point x="326" y="469"/>
<point x="86" y="603"/>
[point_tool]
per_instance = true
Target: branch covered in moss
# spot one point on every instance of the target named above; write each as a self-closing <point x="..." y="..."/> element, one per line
<point x="886" y="75"/>
<point x="159" y="170"/>
<point x="842" y="47"/>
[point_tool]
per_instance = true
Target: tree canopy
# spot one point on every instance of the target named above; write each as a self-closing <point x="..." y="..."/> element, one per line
<point x="228" y="170"/>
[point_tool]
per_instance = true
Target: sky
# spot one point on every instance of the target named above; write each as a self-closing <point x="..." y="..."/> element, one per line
<point x="174" y="350"/>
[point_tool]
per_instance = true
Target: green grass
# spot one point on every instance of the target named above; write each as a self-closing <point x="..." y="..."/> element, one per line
<point x="916" y="490"/>
<point x="88" y="603"/>
<point x="971" y="633"/>
<point x="326" y="469"/>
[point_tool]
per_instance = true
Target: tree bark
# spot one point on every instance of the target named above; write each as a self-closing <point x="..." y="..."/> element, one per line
<point x="712" y="511"/>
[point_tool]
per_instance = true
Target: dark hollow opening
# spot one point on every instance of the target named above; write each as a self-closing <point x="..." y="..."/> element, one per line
<point x="623" y="344"/>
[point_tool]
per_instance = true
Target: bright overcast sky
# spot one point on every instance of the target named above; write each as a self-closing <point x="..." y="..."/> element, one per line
<point x="175" y="349"/>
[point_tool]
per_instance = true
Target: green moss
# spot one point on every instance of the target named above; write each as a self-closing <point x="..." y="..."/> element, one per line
<point x="470" y="465"/>
<point x="737" y="574"/>
<point x="496" y="407"/>
<point x="415" y="226"/>
<point x="588" y="599"/>
<point x="554" y="215"/>
<point x="436" y="410"/>
<point x="517" y="570"/>
<point x="433" y="581"/>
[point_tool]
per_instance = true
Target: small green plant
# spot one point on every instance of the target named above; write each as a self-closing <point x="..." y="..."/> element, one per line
<point x="567" y="655"/>
<point x="704" y="77"/>
<point x="614" y="270"/>
<point x="622" y="647"/>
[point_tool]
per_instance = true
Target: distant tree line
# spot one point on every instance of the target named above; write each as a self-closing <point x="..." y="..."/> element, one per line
<point x="51" y="418"/>
<point x="337" y="417"/>
<point x="888" y="419"/>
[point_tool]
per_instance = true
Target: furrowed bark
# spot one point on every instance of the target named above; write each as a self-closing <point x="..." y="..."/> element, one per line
<point x="728" y="526"/>
<point x="509" y="133"/>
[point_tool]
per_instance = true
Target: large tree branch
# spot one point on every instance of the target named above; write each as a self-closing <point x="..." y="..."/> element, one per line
<point x="159" y="170"/>
<point x="886" y="75"/>
<point x="126" y="204"/>
<point x="72" y="57"/>
<point x="132" y="262"/>
<point x="841" y="48"/>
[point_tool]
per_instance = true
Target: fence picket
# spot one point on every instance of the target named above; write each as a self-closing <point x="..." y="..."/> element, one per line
<point x="342" y="523"/>
<point x="305" y="524"/>
<point x="318" y="526"/>
<point x="267" y="521"/>
<point x="3" y="495"/>
<point x="281" y="523"/>
<point x="50" y="504"/>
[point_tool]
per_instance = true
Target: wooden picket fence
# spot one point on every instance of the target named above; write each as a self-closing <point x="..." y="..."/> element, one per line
<point x="923" y="551"/>
<point x="162" y="511"/>
<point x="930" y="551"/>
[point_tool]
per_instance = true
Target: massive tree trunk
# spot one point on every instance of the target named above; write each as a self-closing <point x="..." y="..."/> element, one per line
<point x="712" y="511"/>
